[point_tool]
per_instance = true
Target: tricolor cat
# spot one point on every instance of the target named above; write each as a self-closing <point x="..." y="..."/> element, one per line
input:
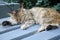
<point x="35" y="15"/>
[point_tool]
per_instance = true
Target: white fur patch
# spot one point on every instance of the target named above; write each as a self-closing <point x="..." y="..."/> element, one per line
<point x="13" y="21"/>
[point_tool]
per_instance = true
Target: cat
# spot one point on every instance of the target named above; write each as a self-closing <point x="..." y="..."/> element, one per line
<point x="36" y="15"/>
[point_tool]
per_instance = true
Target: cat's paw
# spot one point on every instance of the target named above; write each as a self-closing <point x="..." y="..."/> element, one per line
<point x="23" y="27"/>
<point x="38" y="31"/>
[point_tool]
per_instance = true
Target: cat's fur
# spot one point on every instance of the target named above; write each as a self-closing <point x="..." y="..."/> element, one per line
<point x="38" y="15"/>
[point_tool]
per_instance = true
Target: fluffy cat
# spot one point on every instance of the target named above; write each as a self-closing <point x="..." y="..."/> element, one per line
<point x="35" y="15"/>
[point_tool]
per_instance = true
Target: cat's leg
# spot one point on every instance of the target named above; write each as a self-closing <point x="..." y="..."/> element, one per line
<point x="43" y="24"/>
<point x="42" y="28"/>
<point x="47" y="27"/>
<point x="27" y="24"/>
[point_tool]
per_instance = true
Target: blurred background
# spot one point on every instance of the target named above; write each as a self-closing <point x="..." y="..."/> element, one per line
<point x="10" y="5"/>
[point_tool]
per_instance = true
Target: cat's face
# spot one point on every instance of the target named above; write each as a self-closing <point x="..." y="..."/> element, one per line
<point x="18" y="15"/>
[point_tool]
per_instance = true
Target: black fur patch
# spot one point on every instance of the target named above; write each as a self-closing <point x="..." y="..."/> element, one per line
<point x="6" y="23"/>
<point x="50" y="27"/>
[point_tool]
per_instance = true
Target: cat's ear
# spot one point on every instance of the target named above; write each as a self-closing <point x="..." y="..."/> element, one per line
<point x="12" y="12"/>
<point x="22" y="5"/>
<point x="9" y="12"/>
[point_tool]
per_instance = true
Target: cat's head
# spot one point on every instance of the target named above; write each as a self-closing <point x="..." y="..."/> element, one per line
<point x="18" y="15"/>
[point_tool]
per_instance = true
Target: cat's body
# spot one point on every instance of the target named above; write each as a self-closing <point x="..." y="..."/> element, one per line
<point x="38" y="15"/>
